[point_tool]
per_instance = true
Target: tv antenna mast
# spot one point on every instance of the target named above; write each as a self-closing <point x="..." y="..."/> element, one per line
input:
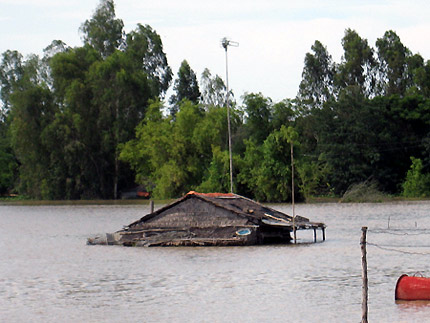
<point x="225" y="44"/>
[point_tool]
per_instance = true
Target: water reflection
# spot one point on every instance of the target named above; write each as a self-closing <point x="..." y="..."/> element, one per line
<point x="412" y="304"/>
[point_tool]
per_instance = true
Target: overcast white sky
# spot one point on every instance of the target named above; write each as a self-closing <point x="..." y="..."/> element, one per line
<point x="274" y="35"/>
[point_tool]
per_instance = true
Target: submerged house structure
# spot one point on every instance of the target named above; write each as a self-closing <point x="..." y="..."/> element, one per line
<point x="212" y="219"/>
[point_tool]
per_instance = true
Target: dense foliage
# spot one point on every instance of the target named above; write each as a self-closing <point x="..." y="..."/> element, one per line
<point x="90" y="121"/>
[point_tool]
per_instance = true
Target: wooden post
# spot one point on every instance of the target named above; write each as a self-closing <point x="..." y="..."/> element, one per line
<point x="365" y="290"/>
<point x="151" y="206"/>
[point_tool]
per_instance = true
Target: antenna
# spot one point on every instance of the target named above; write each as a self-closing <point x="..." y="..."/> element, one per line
<point x="225" y="43"/>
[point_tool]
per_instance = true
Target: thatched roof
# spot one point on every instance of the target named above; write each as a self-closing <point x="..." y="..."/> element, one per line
<point x="241" y="206"/>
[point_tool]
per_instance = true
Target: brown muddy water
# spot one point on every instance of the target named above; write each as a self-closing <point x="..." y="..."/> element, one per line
<point x="49" y="274"/>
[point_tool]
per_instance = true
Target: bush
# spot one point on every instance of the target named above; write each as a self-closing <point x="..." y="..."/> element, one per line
<point x="416" y="184"/>
<point x="363" y="192"/>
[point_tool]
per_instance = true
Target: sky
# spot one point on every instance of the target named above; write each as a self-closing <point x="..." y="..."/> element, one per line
<point x="273" y="35"/>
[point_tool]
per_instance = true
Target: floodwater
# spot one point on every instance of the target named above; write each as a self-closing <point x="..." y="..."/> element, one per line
<point x="49" y="274"/>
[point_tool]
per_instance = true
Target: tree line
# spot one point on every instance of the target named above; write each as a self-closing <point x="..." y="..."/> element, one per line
<point x="92" y="121"/>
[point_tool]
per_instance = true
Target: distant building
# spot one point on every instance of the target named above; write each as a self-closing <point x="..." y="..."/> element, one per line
<point x="138" y="192"/>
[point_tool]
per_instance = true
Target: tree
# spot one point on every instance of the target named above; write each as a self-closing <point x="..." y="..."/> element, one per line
<point x="32" y="110"/>
<point x="316" y="86"/>
<point x="312" y="177"/>
<point x="170" y="159"/>
<point x="345" y="133"/>
<point x="120" y="94"/>
<point x="217" y="178"/>
<point x="8" y="164"/>
<point x="357" y="66"/>
<point x="103" y="31"/>
<point x="258" y="116"/>
<point x="416" y="183"/>
<point x="283" y="113"/>
<point x="266" y="168"/>
<point x="214" y="91"/>
<point x="56" y="47"/>
<point x="393" y="56"/>
<point x="103" y="89"/>
<point x="150" y="149"/>
<point x="175" y="155"/>
<point x="420" y="75"/>
<point x="185" y="87"/>
<point x="211" y="140"/>
<point x="11" y="72"/>
<point x="145" y="48"/>
<point x="77" y="125"/>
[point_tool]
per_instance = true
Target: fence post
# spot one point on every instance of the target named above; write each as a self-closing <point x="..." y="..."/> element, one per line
<point x="365" y="290"/>
<point x="151" y="206"/>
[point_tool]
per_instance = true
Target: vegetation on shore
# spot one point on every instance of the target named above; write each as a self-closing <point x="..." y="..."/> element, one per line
<point x="90" y="122"/>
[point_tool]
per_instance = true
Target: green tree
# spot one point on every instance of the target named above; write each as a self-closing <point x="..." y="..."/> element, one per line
<point x="211" y="140"/>
<point x="393" y="57"/>
<point x="77" y="125"/>
<point x="103" y="89"/>
<point x="150" y="149"/>
<point x="420" y="75"/>
<point x="32" y="109"/>
<point x="103" y="31"/>
<point x="416" y="183"/>
<point x="316" y="86"/>
<point x="120" y="94"/>
<point x="173" y="163"/>
<point x="174" y="156"/>
<point x="345" y="133"/>
<point x="358" y="65"/>
<point x="217" y="178"/>
<point x="11" y="72"/>
<point x="8" y="164"/>
<point x="283" y="113"/>
<point x="266" y="168"/>
<point x="258" y="116"/>
<point x="185" y="87"/>
<point x="312" y="177"/>
<point x="145" y="48"/>
<point x="214" y="91"/>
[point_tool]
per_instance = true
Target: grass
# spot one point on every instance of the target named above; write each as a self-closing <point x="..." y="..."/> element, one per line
<point x="364" y="192"/>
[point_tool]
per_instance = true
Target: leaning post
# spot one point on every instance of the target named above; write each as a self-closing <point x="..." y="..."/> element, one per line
<point x="365" y="290"/>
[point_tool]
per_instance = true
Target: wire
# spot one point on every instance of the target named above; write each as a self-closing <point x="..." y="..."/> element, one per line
<point x="392" y="232"/>
<point x="403" y="246"/>
<point x="398" y="250"/>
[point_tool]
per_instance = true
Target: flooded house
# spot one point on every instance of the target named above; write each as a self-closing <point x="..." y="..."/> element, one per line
<point x="211" y="219"/>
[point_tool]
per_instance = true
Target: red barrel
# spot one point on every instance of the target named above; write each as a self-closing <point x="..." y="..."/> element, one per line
<point x="411" y="288"/>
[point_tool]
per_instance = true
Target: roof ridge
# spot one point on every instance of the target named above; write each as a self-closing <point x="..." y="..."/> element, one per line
<point x="215" y="194"/>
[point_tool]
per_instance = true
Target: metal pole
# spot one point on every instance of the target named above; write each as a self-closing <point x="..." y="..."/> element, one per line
<point x="365" y="289"/>
<point x="292" y="192"/>
<point x="228" y="119"/>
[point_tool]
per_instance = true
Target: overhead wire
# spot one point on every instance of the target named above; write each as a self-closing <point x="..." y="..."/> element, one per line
<point x="397" y="248"/>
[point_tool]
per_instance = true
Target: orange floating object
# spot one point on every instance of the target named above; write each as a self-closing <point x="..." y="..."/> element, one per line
<point x="412" y="288"/>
